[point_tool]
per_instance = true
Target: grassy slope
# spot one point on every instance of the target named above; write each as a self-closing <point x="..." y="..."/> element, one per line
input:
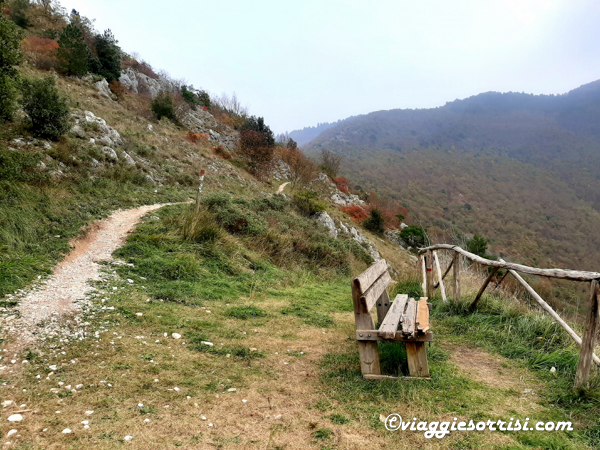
<point x="283" y="339"/>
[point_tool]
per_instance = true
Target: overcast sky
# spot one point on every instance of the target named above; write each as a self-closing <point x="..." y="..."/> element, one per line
<point x="301" y="62"/>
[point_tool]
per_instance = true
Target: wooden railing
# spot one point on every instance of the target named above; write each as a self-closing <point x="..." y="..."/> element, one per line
<point x="429" y="260"/>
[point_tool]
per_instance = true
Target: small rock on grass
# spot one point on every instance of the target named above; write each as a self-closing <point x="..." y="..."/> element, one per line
<point x="67" y="431"/>
<point x="15" y="418"/>
<point x="11" y="432"/>
<point x="128" y="438"/>
<point x="176" y="336"/>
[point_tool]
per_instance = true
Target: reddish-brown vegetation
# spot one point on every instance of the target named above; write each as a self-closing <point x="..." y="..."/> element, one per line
<point x="118" y="89"/>
<point x="141" y="67"/>
<point x="220" y="151"/>
<point x="342" y="184"/>
<point x="302" y="169"/>
<point x="355" y="212"/>
<point x="40" y="52"/>
<point x="195" y="137"/>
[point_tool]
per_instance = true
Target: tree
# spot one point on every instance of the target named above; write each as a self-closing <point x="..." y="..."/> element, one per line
<point x="375" y="222"/>
<point x="73" y="53"/>
<point x="189" y="96"/>
<point x="255" y="149"/>
<point x="254" y="123"/>
<point x="19" y="12"/>
<point x="109" y="56"/>
<point x="46" y="109"/>
<point x="10" y="57"/>
<point x="203" y="98"/>
<point x="330" y="163"/>
<point x="284" y="140"/>
<point x="478" y="245"/>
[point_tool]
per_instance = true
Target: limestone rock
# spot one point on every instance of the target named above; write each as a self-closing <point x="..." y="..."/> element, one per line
<point x="128" y="159"/>
<point x="110" y="153"/>
<point x="324" y="219"/>
<point x="103" y="89"/>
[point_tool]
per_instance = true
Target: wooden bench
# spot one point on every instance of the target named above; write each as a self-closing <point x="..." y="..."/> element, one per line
<point x="404" y="320"/>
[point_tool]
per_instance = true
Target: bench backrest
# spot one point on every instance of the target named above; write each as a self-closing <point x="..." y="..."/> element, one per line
<point x="371" y="286"/>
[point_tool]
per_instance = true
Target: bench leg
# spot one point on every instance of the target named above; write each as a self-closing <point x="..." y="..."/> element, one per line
<point x="369" y="358"/>
<point x="417" y="359"/>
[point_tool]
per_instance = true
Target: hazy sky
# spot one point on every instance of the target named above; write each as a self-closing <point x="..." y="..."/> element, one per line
<point x="300" y="62"/>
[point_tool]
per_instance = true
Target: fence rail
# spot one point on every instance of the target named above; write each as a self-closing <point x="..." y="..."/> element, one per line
<point x="429" y="260"/>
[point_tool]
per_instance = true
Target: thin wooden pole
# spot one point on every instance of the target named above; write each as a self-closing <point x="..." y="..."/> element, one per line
<point x="550" y="311"/>
<point x="487" y="281"/>
<point x="501" y="280"/>
<point x="202" y="172"/>
<point x="456" y="275"/>
<point x="440" y="277"/>
<point x="589" y="338"/>
<point x="445" y="273"/>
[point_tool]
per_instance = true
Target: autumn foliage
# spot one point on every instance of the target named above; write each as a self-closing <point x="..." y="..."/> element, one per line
<point x="302" y="169"/>
<point x="342" y="184"/>
<point x="355" y="212"/>
<point x="220" y="151"/>
<point x="195" y="137"/>
<point x="118" y="89"/>
<point x="39" y="51"/>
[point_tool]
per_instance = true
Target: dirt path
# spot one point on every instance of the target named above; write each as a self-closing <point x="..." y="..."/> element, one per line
<point x="64" y="292"/>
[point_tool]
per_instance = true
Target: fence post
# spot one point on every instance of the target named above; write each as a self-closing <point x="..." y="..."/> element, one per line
<point x="202" y="172"/>
<point x="589" y="338"/>
<point x="429" y="260"/>
<point x="456" y="275"/>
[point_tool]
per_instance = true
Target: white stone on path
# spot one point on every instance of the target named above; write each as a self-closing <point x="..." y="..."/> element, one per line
<point x="15" y="418"/>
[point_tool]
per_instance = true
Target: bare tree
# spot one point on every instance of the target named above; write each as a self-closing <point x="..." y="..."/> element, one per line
<point x="302" y="169"/>
<point x="330" y="163"/>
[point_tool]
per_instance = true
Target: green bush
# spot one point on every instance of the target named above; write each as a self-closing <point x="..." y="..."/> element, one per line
<point x="10" y="56"/>
<point x="46" y="109"/>
<point x="163" y="106"/>
<point x="374" y="222"/>
<point x="308" y="203"/>
<point x="413" y="235"/>
<point x="478" y="245"/>
<point x="200" y="227"/>
<point x="238" y="220"/>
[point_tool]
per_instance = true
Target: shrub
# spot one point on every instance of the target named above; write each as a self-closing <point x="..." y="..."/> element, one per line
<point x="220" y="151"/>
<point x="19" y="12"/>
<point x="46" y="109"/>
<point x="375" y="222"/>
<point x="302" y="169"/>
<point x="163" y="106"/>
<point x="117" y="88"/>
<point x="200" y="227"/>
<point x="258" y="124"/>
<point x="203" y="99"/>
<point x="10" y="56"/>
<point x="478" y="245"/>
<point x="355" y="212"/>
<point x="41" y="52"/>
<point x="308" y="203"/>
<point x="413" y="235"/>
<point x="235" y="217"/>
<point x="342" y="184"/>
<point x="73" y="53"/>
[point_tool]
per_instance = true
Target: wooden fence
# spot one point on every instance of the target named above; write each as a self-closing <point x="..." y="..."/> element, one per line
<point x="429" y="262"/>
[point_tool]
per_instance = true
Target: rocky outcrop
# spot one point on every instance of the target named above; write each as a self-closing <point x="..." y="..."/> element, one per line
<point x="139" y="83"/>
<point x="104" y="90"/>
<point x="87" y="125"/>
<point x="201" y="122"/>
<point x="324" y="219"/>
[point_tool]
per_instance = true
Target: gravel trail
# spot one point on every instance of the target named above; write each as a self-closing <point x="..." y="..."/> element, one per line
<point x="61" y="293"/>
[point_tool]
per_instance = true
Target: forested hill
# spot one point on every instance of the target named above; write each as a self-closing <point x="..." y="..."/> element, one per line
<point x="522" y="169"/>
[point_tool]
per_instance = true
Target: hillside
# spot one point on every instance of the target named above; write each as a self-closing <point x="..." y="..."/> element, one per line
<point x="520" y="169"/>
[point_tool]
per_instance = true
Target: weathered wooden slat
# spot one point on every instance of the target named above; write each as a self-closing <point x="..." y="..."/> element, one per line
<point x="456" y="276"/>
<point x="369" y="298"/>
<point x="389" y="326"/>
<point x="435" y="285"/>
<point x="383" y="305"/>
<point x="368" y="353"/>
<point x="550" y="311"/>
<point x="369" y="276"/>
<point x="422" y="322"/>
<point x="417" y="359"/>
<point x="409" y="318"/>
<point x="389" y="377"/>
<point x="592" y="325"/>
<point x="575" y="275"/>
<point x="482" y="289"/>
<point x="373" y="335"/>
<point x="440" y="277"/>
